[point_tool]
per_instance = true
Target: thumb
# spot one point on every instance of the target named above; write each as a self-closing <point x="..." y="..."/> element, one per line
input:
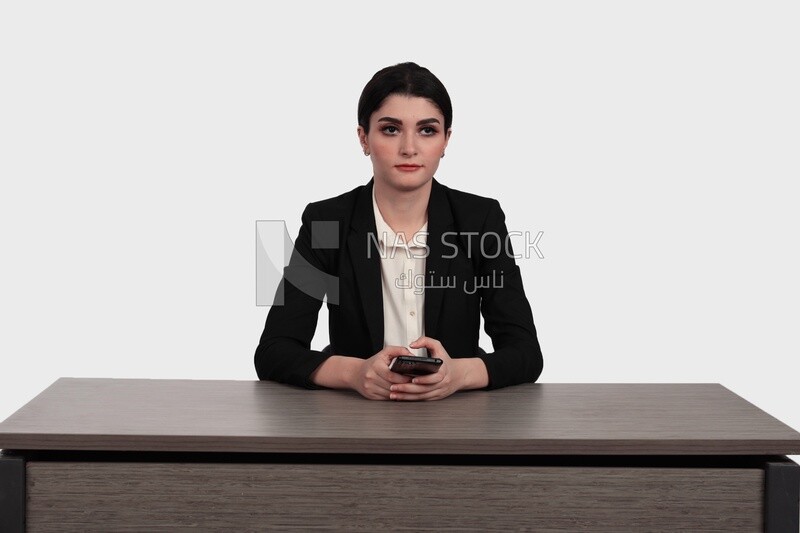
<point x="420" y="342"/>
<point x="390" y="352"/>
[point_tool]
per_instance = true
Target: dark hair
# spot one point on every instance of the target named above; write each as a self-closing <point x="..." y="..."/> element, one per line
<point x="408" y="79"/>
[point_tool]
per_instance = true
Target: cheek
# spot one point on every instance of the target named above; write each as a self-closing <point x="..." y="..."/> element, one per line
<point x="435" y="148"/>
<point x="382" y="147"/>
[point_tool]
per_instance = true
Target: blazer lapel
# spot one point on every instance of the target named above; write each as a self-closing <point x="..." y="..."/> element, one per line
<point x="365" y="255"/>
<point x="440" y="220"/>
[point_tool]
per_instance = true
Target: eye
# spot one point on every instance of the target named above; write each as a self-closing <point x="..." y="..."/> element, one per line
<point x="428" y="131"/>
<point x="390" y="129"/>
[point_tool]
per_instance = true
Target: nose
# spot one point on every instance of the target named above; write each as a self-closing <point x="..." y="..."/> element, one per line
<point x="408" y="147"/>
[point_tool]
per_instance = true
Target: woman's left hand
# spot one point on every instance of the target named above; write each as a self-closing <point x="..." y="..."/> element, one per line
<point x="450" y="377"/>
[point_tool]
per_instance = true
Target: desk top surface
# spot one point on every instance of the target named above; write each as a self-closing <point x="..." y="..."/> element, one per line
<point x="254" y="416"/>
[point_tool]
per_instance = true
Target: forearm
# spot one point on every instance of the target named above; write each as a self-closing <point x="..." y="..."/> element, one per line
<point x="514" y="364"/>
<point x="473" y="370"/>
<point x="336" y="372"/>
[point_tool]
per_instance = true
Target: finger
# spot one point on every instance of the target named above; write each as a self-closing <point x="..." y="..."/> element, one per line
<point x="434" y="346"/>
<point x="373" y="395"/>
<point x="394" y="377"/>
<point x="431" y="379"/>
<point x="394" y="351"/>
<point x="412" y="388"/>
<point x="390" y="352"/>
<point x="374" y="380"/>
<point x="391" y="376"/>
<point x="380" y="389"/>
<point x="382" y="369"/>
<point x="434" y="394"/>
<point x="423" y="341"/>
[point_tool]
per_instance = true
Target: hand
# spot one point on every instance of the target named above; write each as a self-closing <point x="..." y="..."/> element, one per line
<point x="448" y="379"/>
<point x="373" y="377"/>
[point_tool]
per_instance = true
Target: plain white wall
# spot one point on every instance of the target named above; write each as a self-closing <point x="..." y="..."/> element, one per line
<point x="654" y="143"/>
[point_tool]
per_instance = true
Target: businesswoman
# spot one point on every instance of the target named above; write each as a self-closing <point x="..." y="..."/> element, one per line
<point x="407" y="264"/>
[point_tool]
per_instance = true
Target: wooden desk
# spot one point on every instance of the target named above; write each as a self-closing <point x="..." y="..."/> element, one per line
<point x="167" y="455"/>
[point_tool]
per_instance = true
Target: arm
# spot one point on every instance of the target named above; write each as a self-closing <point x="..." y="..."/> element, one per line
<point x="453" y="375"/>
<point x="508" y="321"/>
<point x="507" y="315"/>
<point x="284" y="352"/>
<point x="369" y="377"/>
<point x="336" y="372"/>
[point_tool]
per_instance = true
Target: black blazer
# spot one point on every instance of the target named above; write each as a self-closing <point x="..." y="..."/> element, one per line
<point x="336" y="254"/>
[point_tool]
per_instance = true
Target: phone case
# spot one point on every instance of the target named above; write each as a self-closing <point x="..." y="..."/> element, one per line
<point x="415" y="366"/>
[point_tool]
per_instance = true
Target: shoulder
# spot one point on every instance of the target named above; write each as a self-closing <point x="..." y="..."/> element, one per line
<point x="467" y="200"/>
<point x="471" y="210"/>
<point x="335" y="208"/>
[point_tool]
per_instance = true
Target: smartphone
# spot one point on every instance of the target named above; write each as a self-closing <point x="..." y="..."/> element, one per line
<point x="411" y="365"/>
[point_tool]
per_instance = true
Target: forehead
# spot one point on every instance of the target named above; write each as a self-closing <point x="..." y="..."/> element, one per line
<point x="404" y="107"/>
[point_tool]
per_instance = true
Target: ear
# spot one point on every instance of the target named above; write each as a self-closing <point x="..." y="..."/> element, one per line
<point x="447" y="137"/>
<point x="362" y="138"/>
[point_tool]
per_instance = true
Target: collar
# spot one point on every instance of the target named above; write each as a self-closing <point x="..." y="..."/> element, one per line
<point x="388" y="238"/>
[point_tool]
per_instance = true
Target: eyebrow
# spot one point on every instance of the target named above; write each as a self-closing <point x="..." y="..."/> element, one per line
<point x="422" y="122"/>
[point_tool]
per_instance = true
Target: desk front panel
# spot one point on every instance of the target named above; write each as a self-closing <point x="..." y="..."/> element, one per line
<point x="170" y="496"/>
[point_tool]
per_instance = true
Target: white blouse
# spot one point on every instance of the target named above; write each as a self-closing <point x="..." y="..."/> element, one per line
<point x="403" y="281"/>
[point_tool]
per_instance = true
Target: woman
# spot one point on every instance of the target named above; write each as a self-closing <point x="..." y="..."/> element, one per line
<point x="407" y="264"/>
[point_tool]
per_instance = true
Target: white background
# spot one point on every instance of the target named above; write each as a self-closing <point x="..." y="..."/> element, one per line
<point x="654" y="143"/>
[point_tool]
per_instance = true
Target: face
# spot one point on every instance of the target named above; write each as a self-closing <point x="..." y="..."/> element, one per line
<point x="406" y="140"/>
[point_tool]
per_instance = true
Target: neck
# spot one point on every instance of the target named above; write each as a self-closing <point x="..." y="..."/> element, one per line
<point x="404" y="211"/>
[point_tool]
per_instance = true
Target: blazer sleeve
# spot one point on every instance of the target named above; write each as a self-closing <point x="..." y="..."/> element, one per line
<point x="508" y="320"/>
<point x="284" y="352"/>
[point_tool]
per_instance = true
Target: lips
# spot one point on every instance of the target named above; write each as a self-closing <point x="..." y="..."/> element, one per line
<point x="408" y="168"/>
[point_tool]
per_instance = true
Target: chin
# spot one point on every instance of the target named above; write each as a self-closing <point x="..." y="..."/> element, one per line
<point x="408" y="183"/>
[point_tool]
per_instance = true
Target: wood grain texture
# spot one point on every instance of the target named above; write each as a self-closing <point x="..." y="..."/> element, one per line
<point x="87" y="497"/>
<point x="253" y="416"/>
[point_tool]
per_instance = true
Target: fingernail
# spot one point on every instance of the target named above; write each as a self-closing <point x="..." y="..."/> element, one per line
<point x="413" y="381"/>
<point x="392" y="388"/>
<point x="392" y="396"/>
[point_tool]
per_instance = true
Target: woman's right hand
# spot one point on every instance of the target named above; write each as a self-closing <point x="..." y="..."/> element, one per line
<point x="373" y="377"/>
